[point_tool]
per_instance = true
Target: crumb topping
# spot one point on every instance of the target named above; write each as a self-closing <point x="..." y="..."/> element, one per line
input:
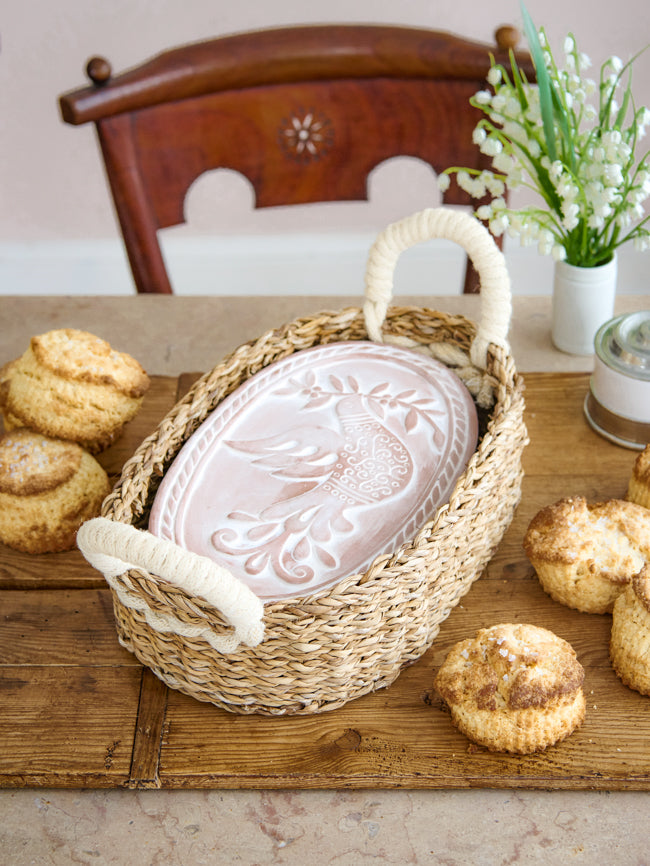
<point x="612" y="538"/>
<point x="510" y="666"/>
<point x="641" y="586"/>
<point x="76" y="354"/>
<point x="32" y="464"/>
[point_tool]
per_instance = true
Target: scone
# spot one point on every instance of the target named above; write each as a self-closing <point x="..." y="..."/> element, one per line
<point x="513" y="688"/>
<point x="585" y="554"/>
<point x="48" y="488"/>
<point x="72" y="385"/>
<point x="5" y="376"/>
<point x="629" y="646"/>
<point x="638" y="489"/>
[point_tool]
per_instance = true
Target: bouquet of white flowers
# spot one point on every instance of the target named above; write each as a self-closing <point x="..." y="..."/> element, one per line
<point x="571" y="140"/>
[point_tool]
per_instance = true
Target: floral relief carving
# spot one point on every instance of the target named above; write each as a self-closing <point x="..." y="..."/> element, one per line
<point x="329" y="472"/>
<point x="317" y="464"/>
<point x="306" y="135"/>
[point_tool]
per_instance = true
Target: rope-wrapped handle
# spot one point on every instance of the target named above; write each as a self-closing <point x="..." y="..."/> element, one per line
<point x="469" y="233"/>
<point x="115" y="548"/>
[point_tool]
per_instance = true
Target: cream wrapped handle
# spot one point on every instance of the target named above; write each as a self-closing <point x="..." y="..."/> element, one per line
<point x="468" y="232"/>
<point x="114" y="548"/>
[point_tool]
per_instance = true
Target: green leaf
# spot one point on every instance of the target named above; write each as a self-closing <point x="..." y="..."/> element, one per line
<point x="620" y="117"/>
<point x="543" y="82"/>
<point x="519" y="84"/>
<point x="563" y="123"/>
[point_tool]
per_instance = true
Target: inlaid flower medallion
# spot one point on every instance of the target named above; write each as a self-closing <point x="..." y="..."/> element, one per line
<point x="306" y="135"/>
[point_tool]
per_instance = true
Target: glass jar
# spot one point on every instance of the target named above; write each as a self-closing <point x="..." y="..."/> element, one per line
<point x="618" y="403"/>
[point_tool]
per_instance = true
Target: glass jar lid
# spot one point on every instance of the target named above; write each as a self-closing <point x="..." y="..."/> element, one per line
<point x="623" y="344"/>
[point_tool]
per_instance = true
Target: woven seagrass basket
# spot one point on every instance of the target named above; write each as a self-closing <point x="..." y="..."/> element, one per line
<point x="204" y="633"/>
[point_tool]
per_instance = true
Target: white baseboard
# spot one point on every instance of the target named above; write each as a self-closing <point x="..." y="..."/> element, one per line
<point x="297" y="264"/>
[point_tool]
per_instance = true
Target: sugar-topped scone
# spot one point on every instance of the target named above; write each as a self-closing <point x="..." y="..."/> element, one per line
<point x="638" y="489"/>
<point x="70" y="384"/>
<point x="629" y="646"/>
<point x="585" y="554"/>
<point x="513" y="688"/>
<point x="48" y="488"/>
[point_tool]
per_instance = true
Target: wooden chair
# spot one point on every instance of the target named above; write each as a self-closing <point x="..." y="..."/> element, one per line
<point x="305" y="113"/>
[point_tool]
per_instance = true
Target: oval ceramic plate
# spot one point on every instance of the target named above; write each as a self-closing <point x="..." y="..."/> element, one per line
<point x="318" y="464"/>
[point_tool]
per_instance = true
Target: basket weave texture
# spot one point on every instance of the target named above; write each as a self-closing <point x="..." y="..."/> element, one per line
<point x="319" y="652"/>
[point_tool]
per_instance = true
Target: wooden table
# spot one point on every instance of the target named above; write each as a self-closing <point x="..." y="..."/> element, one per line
<point x="78" y="710"/>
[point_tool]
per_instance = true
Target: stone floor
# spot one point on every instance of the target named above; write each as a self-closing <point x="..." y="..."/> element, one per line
<point x="333" y="828"/>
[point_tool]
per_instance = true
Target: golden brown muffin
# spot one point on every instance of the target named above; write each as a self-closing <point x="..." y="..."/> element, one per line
<point x="72" y="385"/>
<point x="5" y="376"/>
<point x="513" y="688"/>
<point x="638" y="489"/>
<point x="629" y="646"/>
<point x="48" y="488"/>
<point x="584" y="555"/>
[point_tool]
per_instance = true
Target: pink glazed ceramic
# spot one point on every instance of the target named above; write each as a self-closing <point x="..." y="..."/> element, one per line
<point x="318" y="464"/>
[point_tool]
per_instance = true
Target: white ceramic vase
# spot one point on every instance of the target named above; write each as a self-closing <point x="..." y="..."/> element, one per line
<point x="583" y="300"/>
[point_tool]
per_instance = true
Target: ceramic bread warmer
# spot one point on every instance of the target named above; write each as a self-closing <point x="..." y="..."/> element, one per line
<point x="300" y="524"/>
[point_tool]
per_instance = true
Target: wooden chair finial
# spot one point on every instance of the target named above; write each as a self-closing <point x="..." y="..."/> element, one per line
<point x="507" y="37"/>
<point x="99" y="70"/>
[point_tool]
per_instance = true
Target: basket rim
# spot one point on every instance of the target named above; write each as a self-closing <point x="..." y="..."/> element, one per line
<point x="192" y="409"/>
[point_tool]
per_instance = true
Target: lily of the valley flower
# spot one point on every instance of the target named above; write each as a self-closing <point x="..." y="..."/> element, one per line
<point x="572" y="141"/>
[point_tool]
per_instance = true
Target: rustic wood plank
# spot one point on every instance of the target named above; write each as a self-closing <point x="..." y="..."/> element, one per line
<point x="149" y="731"/>
<point x="68" y="690"/>
<point x="562" y="442"/>
<point x="60" y="627"/>
<point x="67" y="570"/>
<point x="77" y="709"/>
<point x="403" y="736"/>
<point x="67" y="726"/>
<point x="70" y="570"/>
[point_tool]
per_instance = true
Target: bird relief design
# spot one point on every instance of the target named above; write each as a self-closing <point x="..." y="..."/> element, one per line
<point x="330" y="474"/>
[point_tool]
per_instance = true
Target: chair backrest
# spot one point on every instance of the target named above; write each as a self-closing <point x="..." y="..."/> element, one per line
<point x="305" y="113"/>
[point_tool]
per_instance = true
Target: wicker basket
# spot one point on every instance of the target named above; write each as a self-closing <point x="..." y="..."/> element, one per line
<point x="204" y="633"/>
